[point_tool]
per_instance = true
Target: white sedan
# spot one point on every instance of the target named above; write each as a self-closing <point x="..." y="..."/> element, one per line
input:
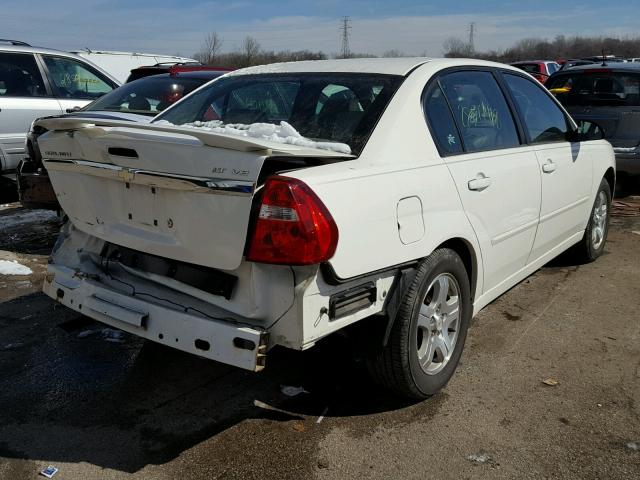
<point x="279" y="204"/>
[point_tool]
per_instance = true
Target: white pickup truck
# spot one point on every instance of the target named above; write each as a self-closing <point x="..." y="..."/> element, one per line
<point x="279" y="204"/>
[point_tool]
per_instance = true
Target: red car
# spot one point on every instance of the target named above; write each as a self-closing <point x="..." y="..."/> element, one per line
<point x="540" y="69"/>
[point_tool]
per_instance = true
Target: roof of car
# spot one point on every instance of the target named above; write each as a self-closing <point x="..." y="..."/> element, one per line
<point x="525" y="62"/>
<point x="202" y="74"/>
<point x="30" y="49"/>
<point x="614" y="66"/>
<point x="388" y="66"/>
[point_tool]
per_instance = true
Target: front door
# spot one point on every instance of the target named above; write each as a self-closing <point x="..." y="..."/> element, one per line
<point x="566" y="168"/>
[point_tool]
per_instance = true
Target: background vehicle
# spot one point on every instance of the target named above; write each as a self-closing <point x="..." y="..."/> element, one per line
<point x="280" y="204"/>
<point x="574" y="63"/>
<point x="159" y="68"/>
<point x="540" y="69"/>
<point x="138" y="101"/>
<point x="610" y="96"/>
<point x="37" y="82"/>
<point x="120" y="64"/>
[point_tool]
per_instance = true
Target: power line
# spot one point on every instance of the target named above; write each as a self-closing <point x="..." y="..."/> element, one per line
<point x="344" y="34"/>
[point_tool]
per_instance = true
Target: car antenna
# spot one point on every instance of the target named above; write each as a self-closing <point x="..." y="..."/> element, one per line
<point x="604" y="59"/>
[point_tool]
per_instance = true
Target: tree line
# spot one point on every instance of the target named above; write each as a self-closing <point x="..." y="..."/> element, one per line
<point x="561" y="47"/>
<point x="251" y="53"/>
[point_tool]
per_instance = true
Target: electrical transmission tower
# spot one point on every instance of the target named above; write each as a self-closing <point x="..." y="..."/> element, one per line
<point x="472" y="32"/>
<point x="344" y="35"/>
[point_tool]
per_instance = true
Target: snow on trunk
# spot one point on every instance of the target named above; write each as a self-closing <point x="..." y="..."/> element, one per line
<point x="283" y="133"/>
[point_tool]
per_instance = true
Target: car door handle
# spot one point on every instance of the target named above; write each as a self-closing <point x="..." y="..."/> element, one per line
<point x="479" y="183"/>
<point x="549" y="167"/>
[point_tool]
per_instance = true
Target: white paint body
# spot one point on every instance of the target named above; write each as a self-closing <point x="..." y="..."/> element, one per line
<point x="396" y="203"/>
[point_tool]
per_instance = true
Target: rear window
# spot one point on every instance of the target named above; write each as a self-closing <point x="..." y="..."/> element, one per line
<point x="529" y="67"/>
<point x="147" y="96"/>
<point x="342" y="108"/>
<point x="597" y="88"/>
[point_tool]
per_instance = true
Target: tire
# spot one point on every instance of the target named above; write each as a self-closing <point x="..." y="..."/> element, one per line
<point x="417" y="361"/>
<point x="595" y="235"/>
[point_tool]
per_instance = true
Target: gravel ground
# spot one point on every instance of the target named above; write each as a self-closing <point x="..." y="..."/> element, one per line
<point x="97" y="403"/>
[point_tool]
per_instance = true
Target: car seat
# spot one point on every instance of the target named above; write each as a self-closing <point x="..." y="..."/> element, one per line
<point x="139" y="103"/>
<point x="18" y="84"/>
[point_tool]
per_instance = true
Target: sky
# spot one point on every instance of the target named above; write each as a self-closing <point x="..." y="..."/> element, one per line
<point x="410" y="26"/>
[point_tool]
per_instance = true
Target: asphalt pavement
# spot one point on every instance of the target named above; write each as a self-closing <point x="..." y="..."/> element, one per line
<point x="548" y="387"/>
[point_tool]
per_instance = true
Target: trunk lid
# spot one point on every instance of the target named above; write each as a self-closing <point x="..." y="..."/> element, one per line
<point x="168" y="191"/>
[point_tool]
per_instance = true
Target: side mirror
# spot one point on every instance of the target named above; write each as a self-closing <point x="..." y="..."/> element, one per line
<point x="586" y="130"/>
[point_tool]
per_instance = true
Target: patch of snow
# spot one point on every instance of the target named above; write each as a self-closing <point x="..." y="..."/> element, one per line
<point x="113" y="336"/>
<point x="27" y="216"/>
<point x="283" y="133"/>
<point x="479" y="457"/>
<point x="86" y="333"/>
<point x="13" y="268"/>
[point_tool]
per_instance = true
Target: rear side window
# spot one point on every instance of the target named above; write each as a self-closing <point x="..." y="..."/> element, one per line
<point x="73" y="79"/>
<point x="543" y="120"/>
<point x="20" y="76"/>
<point x="443" y="127"/>
<point x="598" y="88"/>
<point x="480" y="111"/>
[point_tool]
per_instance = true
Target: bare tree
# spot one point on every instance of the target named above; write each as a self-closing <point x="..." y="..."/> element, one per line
<point x="250" y="50"/>
<point x="393" y="53"/>
<point x="210" y="48"/>
<point x="454" y="47"/>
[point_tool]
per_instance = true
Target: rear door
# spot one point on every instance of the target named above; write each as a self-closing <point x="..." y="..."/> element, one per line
<point x="23" y="98"/>
<point x="496" y="176"/>
<point x="566" y="168"/>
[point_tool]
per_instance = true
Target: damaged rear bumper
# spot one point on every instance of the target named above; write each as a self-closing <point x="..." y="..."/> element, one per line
<point x="224" y="341"/>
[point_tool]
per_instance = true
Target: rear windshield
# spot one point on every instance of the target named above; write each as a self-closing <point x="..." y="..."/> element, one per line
<point x="324" y="108"/>
<point x="529" y="67"/>
<point x="597" y="88"/>
<point x="147" y="96"/>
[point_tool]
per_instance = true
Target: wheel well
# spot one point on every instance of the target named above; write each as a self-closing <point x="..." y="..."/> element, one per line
<point x="610" y="177"/>
<point x="462" y="248"/>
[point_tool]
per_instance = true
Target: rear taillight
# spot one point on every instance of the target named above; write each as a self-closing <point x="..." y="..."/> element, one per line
<point x="293" y="225"/>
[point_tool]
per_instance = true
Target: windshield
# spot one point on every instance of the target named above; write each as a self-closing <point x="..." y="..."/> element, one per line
<point x="339" y="108"/>
<point x="147" y="96"/>
<point x="598" y="87"/>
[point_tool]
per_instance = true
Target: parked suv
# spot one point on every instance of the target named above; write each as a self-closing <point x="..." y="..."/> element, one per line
<point x="282" y="203"/>
<point x="541" y="70"/>
<point x="37" y="82"/>
<point x="610" y="96"/>
<point x="137" y="101"/>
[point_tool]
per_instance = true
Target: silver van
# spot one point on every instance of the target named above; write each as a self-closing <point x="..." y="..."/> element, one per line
<point x="38" y="82"/>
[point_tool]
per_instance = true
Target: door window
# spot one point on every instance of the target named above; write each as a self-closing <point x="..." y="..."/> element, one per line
<point x="443" y="127"/>
<point x="73" y="79"/>
<point x="480" y="111"/>
<point x="20" y="76"/>
<point x="543" y="120"/>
